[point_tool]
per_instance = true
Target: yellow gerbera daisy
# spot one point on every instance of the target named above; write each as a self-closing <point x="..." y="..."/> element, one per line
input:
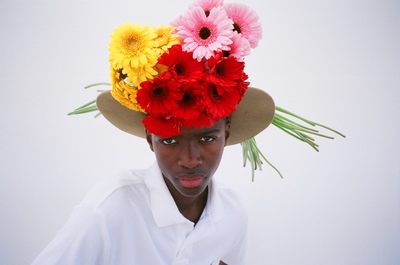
<point x="132" y="46"/>
<point x="165" y="39"/>
<point x="145" y="72"/>
<point x="123" y="92"/>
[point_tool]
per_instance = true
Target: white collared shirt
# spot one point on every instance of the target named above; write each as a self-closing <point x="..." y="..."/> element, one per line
<point x="133" y="219"/>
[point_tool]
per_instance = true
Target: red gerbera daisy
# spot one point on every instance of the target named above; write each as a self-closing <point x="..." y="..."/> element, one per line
<point x="191" y="104"/>
<point x="243" y="85"/>
<point x="159" y="96"/>
<point x="163" y="126"/>
<point x="181" y="64"/>
<point x="220" y="105"/>
<point x="225" y="71"/>
<point x="203" y="120"/>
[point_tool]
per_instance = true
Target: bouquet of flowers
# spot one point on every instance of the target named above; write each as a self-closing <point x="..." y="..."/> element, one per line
<point x="191" y="73"/>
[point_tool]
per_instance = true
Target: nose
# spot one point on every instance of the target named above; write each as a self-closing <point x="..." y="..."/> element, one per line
<point x="190" y="156"/>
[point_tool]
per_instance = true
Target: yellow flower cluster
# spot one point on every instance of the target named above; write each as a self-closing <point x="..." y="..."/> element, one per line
<point x="134" y="51"/>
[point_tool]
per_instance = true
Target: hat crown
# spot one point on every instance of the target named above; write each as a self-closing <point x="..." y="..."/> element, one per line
<point x="189" y="73"/>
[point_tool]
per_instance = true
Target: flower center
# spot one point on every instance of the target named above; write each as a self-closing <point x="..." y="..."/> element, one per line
<point x="122" y="76"/>
<point x="158" y="92"/>
<point x="179" y="69"/>
<point x="132" y="44"/>
<point x="204" y="33"/>
<point x="236" y="28"/>
<point x="213" y="92"/>
<point x="220" y="70"/>
<point x="187" y="99"/>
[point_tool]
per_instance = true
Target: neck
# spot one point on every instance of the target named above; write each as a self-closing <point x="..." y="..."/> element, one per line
<point x="190" y="207"/>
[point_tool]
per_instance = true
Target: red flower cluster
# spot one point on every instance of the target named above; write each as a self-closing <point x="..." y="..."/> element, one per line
<point x="191" y="93"/>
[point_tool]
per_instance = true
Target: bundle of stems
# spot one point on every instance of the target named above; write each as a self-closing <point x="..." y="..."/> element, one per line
<point x="285" y="120"/>
<point x="252" y="153"/>
<point x="90" y="106"/>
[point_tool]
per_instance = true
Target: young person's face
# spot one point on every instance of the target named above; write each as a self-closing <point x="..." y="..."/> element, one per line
<point x="188" y="161"/>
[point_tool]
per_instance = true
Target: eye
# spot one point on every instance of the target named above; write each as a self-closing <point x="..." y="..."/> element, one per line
<point x="207" y="139"/>
<point x="168" y="141"/>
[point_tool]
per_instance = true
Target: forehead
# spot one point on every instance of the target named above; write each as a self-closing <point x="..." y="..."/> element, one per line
<point x="217" y="127"/>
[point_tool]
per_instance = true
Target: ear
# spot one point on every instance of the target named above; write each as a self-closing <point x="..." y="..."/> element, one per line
<point x="149" y="139"/>
<point x="227" y="131"/>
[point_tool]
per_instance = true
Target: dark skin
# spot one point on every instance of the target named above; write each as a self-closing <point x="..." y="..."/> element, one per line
<point x="188" y="162"/>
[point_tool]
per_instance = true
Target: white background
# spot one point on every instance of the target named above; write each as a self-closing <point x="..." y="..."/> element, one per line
<point x="336" y="62"/>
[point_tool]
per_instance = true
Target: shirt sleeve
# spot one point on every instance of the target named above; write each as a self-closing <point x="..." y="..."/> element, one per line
<point x="84" y="240"/>
<point x="238" y="252"/>
<point x="238" y="215"/>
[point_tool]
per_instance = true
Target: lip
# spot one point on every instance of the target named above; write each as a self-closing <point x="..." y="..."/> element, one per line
<point x="191" y="180"/>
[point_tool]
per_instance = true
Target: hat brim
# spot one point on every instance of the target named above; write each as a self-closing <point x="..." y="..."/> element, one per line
<point x="253" y="115"/>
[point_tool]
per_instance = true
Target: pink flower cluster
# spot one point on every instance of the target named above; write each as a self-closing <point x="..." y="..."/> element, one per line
<point x="211" y="26"/>
<point x="202" y="79"/>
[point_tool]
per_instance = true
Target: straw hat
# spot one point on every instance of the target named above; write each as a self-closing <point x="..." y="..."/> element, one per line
<point x="188" y="74"/>
<point x="253" y="114"/>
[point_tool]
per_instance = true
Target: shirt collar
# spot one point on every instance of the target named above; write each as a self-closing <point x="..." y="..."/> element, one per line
<point x="214" y="208"/>
<point x="163" y="206"/>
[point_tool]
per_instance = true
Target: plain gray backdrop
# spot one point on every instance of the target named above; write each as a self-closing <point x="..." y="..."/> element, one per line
<point x="336" y="62"/>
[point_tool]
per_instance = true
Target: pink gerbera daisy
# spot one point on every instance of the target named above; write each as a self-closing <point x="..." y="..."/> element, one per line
<point x="203" y="35"/>
<point x="207" y="5"/>
<point x="246" y="22"/>
<point x="239" y="48"/>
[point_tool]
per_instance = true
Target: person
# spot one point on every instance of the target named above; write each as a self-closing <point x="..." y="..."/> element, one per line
<point x="190" y="103"/>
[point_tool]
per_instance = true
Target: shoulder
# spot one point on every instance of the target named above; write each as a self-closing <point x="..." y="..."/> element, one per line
<point x="128" y="181"/>
<point x="229" y="196"/>
<point x="230" y="216"/>
<point x="230" y="202"/>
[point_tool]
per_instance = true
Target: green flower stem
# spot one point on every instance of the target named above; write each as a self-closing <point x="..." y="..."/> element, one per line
<point x="253" y="154"/>
<point x="297" y="134"/>
<point x="308" y="121"/>
<point x="289" y="123"/>
<point x="280" y="116"/>
<point x="290" y="132"/>
<point x="304" y="138"/>
<point x="87" y="104"/>
<point x="281" y="121"/>
<point x="88" y="107"/>
<point x="98" y="84"/>
<point x="284" y="124"/>
<point x="265" y="159"/>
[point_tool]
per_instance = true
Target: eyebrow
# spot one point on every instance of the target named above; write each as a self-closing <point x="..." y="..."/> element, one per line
<point x="201" y="133"/>
<point x="211" y="131"/>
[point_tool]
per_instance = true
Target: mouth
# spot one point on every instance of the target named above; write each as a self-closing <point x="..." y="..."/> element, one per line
<point x="191" y="181"/>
